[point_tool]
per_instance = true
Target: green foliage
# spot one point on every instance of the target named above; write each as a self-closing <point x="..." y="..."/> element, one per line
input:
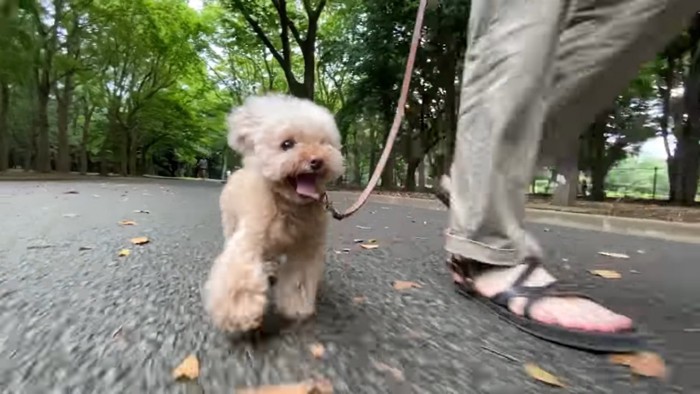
<point x="143" y="86"/>
<point x="639" y="178"/>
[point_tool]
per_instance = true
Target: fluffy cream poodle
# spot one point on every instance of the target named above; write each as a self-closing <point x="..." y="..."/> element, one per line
<point x="272" y="211"/>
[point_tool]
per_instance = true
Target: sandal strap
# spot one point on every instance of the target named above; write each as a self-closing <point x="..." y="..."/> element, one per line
<point x="533" y="294"/>
<point x="529" y="292"/>
<point x="517" y="289"/>
<point x="469" y="269"/>
<point x="532" y="264"/>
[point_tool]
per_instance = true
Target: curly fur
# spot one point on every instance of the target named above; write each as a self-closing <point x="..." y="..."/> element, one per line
<point x="269" y="227"/>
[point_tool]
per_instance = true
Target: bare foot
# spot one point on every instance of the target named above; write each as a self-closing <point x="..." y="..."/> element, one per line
<point x="569" y="312"/>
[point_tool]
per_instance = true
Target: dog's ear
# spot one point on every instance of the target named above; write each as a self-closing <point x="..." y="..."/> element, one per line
<point x="240" y="130"/>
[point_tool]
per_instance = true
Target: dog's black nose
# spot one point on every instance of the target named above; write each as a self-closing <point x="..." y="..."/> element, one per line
<point x="316" y="164"/>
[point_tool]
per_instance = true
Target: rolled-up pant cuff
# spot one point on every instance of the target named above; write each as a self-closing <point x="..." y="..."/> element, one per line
<point x="474" y="250"/>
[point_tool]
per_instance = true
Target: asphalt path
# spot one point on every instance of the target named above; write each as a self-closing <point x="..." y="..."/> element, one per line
<point x="77" y="318"/>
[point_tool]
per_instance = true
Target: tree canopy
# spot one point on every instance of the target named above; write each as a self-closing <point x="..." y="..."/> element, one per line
<point x="143" y="86"/>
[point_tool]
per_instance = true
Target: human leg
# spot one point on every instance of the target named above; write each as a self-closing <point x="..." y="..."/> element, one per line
<point x="471" y="217"/>
<point x="507" y="72"/>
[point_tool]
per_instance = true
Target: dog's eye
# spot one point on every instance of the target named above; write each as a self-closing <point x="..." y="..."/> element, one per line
<point x="287" y="144"/>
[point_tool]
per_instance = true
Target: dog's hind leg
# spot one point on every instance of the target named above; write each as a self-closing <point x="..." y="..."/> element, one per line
<point x="297" y="283"/>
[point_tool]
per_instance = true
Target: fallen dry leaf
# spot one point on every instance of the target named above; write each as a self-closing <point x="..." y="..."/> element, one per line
<point x="127" y="223"/>
<point x="117" y="332"/>
<point x="142" y="211"/>
<point x="321" y="386"/>
<point x="359" y="299"/>
<point x="317" y="350"/>
<point x="543" y="376"/>
<point x="369" y="246"/>
<point x="124" y="252"/>
<point x="395" y="372"/>
<point x="614" y="255"/>
<point x="139" y="240"/>
<point x="607" y="274"/>
<point x="644" y="363"/>
<point x="30" y="247"/>
<point x="188" y="368"/>
<point x="405" y="285"/>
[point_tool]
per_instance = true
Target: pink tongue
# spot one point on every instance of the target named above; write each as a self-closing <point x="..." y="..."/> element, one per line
<point x="306" y="186"/>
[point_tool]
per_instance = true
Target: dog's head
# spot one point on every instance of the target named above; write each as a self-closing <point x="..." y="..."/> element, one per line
<point x="292" y="142"/>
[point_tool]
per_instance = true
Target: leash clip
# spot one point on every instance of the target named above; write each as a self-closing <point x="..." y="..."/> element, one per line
<point x="328" y="204"/>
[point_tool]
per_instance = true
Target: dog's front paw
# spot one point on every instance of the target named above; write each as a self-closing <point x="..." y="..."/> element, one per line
<point x="237" y="310"/>
<point x="236" y="301"/>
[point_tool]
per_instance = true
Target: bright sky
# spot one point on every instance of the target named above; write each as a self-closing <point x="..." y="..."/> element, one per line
<point x="196" y="4"/>
<point x="655" y="148"/>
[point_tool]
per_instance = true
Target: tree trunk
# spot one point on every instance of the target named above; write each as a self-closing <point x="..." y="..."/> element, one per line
<point x="63" y="113"/>
<point x="309" y="53"/>
<point x="687" y="162"/>
<point x="567" y="166"/>
<point x="599" y="168"/>
<point x="133" y="150"/>
<point x="421" y="175"/>
<point x="108" y="144"/>
<point x="357" y="161"/>
<point x="565" y="193"/>
<point x="388" y="174"/>
<point x="671" y="169"/>
<point x="43" y="154"/>
<point x="4" y="126"/>
<point x="30" y="157"/>
<point x="85" y="140"/>
<point x="411" y="168"/>
<point x="123" y="151"/>
<point x="688" y="146"/>
<point x="372" y="152"/>
<point x="665" y="92"/>
<point x="307" y="44"/>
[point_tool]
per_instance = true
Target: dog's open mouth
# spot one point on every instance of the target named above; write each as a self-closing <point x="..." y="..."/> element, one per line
<point x="305" y="185"/>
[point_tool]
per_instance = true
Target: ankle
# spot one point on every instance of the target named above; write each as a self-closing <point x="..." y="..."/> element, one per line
<point x="470" y="268"/>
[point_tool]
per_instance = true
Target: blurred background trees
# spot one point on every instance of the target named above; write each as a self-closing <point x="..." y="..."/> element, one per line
<point x="143" y="87"/>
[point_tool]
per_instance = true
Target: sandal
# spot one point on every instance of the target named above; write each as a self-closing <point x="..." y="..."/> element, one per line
<point x="619" y="342"/>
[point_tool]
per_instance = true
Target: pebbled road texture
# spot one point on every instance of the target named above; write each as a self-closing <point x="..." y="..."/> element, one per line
<point x="76" y="318"/>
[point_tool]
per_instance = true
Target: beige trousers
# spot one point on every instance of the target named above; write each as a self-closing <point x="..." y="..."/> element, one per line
<point x="535" y="68"/>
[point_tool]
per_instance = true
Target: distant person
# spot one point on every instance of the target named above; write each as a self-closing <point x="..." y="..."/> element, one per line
<point x="584" y="188"/>
<point x="202" y="166"/>
<point x="530" y="66"/>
